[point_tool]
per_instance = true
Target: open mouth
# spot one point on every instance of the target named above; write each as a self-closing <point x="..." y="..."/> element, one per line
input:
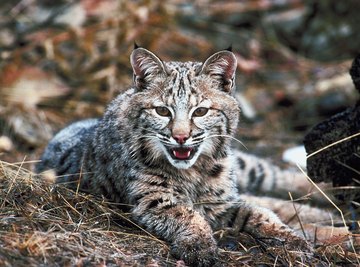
<point x="182" y="153"/>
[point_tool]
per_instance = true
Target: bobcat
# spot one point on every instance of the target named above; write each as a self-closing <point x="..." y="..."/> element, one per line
<point x="163" y="147"/>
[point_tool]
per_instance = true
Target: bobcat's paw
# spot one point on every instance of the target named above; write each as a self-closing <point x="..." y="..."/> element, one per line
<point x="196" y="251"/>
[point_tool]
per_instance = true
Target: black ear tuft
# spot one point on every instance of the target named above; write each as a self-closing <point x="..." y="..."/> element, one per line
<point x="136" y="46"/>
<point x="229" y="48"/>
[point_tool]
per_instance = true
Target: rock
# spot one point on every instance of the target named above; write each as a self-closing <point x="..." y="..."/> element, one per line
<point x="6" y="144"/>
<point x="333" y="148"/>
<point x="339" y="81"/>
<point x="295" y="155"/>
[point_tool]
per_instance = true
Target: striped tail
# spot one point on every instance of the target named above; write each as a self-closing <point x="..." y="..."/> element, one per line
<point x="260" y="177"/>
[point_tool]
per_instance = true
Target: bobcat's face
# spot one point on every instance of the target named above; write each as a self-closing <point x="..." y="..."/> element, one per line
<point x="186" y="111"/>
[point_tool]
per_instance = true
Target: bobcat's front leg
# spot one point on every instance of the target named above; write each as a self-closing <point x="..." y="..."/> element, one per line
<point x="174" y="220"/>
<point x="263" y="224"/>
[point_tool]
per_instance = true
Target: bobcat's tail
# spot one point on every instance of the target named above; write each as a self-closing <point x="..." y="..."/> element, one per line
<point x="260" y="177"/>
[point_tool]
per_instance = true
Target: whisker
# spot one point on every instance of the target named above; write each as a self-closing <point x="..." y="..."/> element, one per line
<point x="196" y="142"/>
<point x="151" y="137"/>
<point x="156" y="134"/>
<point x="227" y="136"/>
<point x="164" y="140"/>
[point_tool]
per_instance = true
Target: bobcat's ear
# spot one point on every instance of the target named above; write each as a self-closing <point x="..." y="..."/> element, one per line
<point x="146" y="66"/>
<point x="222" y="66"/>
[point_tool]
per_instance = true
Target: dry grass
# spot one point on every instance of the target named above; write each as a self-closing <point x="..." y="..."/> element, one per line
<point x="45" y="224"/>
<point x="42" y="224"/>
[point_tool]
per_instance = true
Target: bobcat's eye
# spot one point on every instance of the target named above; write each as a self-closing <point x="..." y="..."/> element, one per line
<point x="163" y="111"/>
<point x="199" y="112"/>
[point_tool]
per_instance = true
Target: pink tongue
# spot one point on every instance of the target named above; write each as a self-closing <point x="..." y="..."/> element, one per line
<point x="182" y="154"/>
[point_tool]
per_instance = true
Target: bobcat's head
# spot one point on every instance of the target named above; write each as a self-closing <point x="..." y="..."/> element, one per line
<point x="185" y="109"/>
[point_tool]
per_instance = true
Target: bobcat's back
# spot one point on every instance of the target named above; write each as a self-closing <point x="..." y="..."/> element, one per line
<point x="64" y="152"/>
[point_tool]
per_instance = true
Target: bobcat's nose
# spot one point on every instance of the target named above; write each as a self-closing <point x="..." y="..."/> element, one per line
<point x="180" y="138"/>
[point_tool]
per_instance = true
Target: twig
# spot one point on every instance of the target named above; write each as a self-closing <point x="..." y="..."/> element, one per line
<point x="297" y="215"/>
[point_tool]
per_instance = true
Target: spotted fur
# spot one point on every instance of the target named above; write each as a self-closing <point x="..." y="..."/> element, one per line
<point x="163" y="148"/>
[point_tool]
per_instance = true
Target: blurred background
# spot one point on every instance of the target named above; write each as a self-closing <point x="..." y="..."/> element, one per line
<point x="65" y="60"/>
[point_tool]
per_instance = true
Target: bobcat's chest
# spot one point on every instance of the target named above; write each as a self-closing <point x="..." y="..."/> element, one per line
<point x="217" y="205"/>
<point x="215" y="197"/>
